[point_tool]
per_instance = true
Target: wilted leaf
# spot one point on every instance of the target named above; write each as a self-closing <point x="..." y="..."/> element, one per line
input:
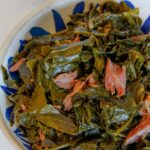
<point x="99" y="61"/>
<point x="38" y="100"/>
<point x="45" y="50"/>
<point x="58" y="122"/>
<point x="31" y="64"/>
<point x="25" y="74"/>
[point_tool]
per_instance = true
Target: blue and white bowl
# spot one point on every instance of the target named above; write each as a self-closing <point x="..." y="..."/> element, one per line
<point x="46" y="20"/>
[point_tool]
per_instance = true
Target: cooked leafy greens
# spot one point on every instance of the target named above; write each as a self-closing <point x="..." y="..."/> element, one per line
<point x="87" y="87"/>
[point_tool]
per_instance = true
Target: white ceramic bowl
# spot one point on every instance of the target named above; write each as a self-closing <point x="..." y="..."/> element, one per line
<point x="46" y="19"/>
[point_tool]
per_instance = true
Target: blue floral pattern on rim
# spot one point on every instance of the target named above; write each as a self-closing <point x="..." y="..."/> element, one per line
<point x="146" y="26"/>
<point x="14" y="75"/>
<point x="22" y="137"/>
<point x="22" y="44"/>
<point x="79" y="8"/>
<point x="129" y="4"/>
<point x="59" y="22"/>
<point x="39" y="31"/>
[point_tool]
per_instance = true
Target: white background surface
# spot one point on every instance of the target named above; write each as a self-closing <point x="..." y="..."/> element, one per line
<point x="11" y="13"/>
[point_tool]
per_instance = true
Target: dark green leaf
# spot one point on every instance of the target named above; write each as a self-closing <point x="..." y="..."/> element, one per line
<point x="58" y="122"/>
<point x="38" y="100"/>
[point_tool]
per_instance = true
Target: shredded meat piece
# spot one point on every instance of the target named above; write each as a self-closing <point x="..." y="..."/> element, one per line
<point x="115" y="78"/>
<point x="66" y="80"/>
<point x="79" y="85"/>
<point x="23" y="107"/>
<point x="42" y="136"/>
<point x="57" y="106"/>
<point x="145" y="109"/>
<point x="17" y="65"/>
<point x="90" y="80"/>
<point x="77" y="39"/>
<point x="142" y="129"/>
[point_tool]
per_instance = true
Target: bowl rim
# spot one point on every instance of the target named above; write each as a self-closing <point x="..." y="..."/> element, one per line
<point x="40" y="11"/>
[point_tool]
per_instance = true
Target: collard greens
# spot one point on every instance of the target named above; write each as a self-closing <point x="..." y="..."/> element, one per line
<point x="87" y="87"/>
